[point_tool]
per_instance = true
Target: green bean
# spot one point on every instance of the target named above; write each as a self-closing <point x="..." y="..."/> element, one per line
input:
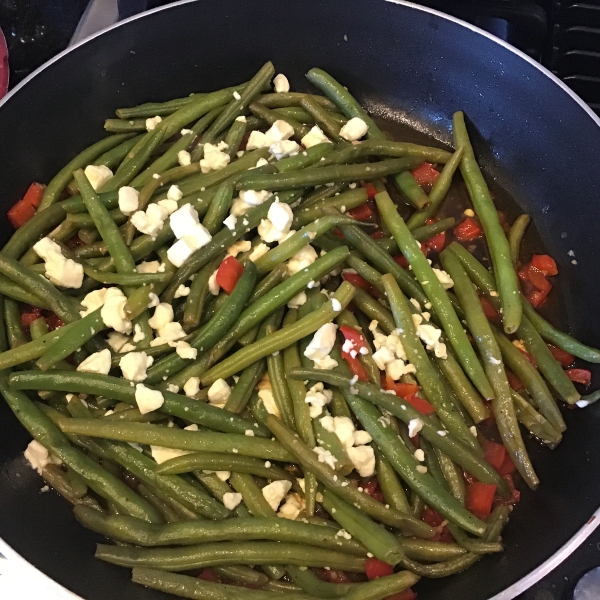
<point x="341" y="486"/>
<point x="376" y="539"/>
<point x="322" y="192"/>
<point x="311" y="584"/>
<point x="535" y="422"/>
<point x="61" y="179"/>
<point x="241" y="100"/>
<point x="485" y="282"/>
<point x="373" y="309"/>
<point x="304" y="158"/>
<point x="219" y="207"/>
<point x="297" y="113"/>
<point x="550" y="368"/>
<point x="412" y="191"/>
<point x="196" y="300"/>
<point x="282" y="587"/>
<point x="234" y="137"/>
<point x="330" y="441"/>
<point x="438" y="193"/>
<point x="453" y="476"/>
<point x="242" y="390"/>
<point x="283" y="99"/>
<point x="225" y="553"/>
<point x="430" y="551"/>
<point x="112" y="157"/>
<point x="15" y="335"/>
<point x="208" y="335"/>
<point x="81" y="332"/>
<point x="432" y="464"/>
<point x="100" y="481"/>
<point x="241" y="575"/>
<point x="119" y="389"/>
<point x="515" y="236"/>
<point x="345" y="201"/>
<point x="280" y="340"/>
<point x="426" y="374"/>
<point x="471" y="545"/>
<point x="122" y="126"/>
<point x="382" y="588"/>
<point x="298" y="240"/>
<point x="168" y="513"/>
<point x="270" y="116"/>
<point x="321" y="175"/>
<point x="222" y="240"/>
<point x="281" y="391"/>
<point x="183" y="512"/>
<point x="392" y="489"/>
<point x="532" y="380"/>
<point x="14" y="291"/>
<point x="490" y="350"/>
<point x="506" y="277"/>
<point x="404" y="411"/>
<point x="322" y="117"/>
<point x="214" y="461"/>
<point x="127" y="279"/>
<point x="463" y="388"/>
<point x="151" y="109"/>
<point x="56" y="478"/>
<point x="435" y="292"/>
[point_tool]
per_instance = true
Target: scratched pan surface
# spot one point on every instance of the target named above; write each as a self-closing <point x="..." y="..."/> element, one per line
<point x="534" y="138"/>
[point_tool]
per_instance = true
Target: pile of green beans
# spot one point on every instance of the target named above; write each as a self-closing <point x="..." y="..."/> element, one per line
<point x="274" y="445"/>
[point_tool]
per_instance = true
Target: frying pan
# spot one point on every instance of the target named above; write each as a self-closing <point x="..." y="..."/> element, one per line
<point x="534" y="137"/>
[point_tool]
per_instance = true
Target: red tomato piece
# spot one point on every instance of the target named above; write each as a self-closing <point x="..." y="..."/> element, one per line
<point x="362" y="212"/>
<point x="25" y="208"/>
<point x="432" y="517"/>
<point x="468" y="230"/>
<point x="399" y="258"/>
<point x="583" y="376"/>
<point x="538" y="279"/>
<point x="563" y="357"/>
<point x="479" y="499"/>
<point x="29" y="315"/>
<point x="488" y="308"/>
<point x="435" y="243"/>
<point x="53" y="322"/>
<point x="514" y="382"/>
<point x="356" y="366"/>
<point x="378" y="235"/>
<point x="375" y="568"/>
<point x="372" y="488"/>
<point x="371" y="190"/>
<point x="426" y="174"/>
<point x="507" y="467"/>
<point x="332" y="576"/>
<point x="494" y="454"/>
<point x="357" y="281"/>
<point x="403" y="390"/>
<point x="537" y="298"/>
<point x="356" y="337"/>
<point x="405" y="595"/>
<point x="209" y="575"/>
<point x="515" y="493"/>
<point x="421" y="405"/>
<point x="338" y="232"/>
<point x="229" y="273"/>
<point x="544" y="263"/>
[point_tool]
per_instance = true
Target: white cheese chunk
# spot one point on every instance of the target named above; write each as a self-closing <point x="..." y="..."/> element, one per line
<point x="317" y="397"/>
<point x="213" y="286"/>
<point x="231" y="500"/>
<point x="325" y="456"/>
<point x="98" y="362"/>
<point x="58" y="269"/>
<point x="214" y="157"/>
<point x="163" y="314"/>
<point x="230" y="222"/>
<point x="219" y="392"/>
<point x="313" y="137"/>
<point x="182" y="291"/>
<point x="191" y="387"/>
<point x="117" y="340"/>
<point x="240" y="246"/>
<point x="113" y="311"/>
<point x="97" y="175"/>
<point x="148" y="267"/>
<point x="146" y="399"/>
<point x="298" y="300"/>
<point x="354" y="129"/>
<point x="414" y="426"/>
<point x="294" y="504"/>
<point x="281" y="83"/>
<point x="152" y="122"/>
<point x="275" y="492"/>
<point x="258" y="251"/>
<point x="184" y="350"/>
<point x="183" y="221"/>
<point x="266" y="395"/>
<point x="161" y="455"/>
<point x="444" y="278"/>
<point x="184" y="158"/>
<point x="363" y="459"/>
<point x="302" y="260"/>
<point x="284" y="148"/>
<point x="134" y="365"/>
<point x="38" y="456"/>
<point x="322" y="342"/>
<point x="128" y="200"/>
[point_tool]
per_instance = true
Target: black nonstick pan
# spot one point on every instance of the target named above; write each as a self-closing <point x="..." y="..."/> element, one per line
<point x="534" y="137"/>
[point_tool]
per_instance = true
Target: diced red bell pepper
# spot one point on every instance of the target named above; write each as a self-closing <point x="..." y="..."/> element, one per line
<point x="404" y="595"/>
<point x="426" y="174"/>
<point x="434" y="519"/>
<point x="507" y="467"/>
<point x="544" y="263"/>
<point x="229" y="273"/>
<point x="53" y="322"/>
<point x="435" y="243"/>
<point x="479" y="499"/>
<point x="338" y="232"/>
<point x="521" y="348"/>
<point x="378" y="235"/>
<point x="494" y="454"/>
<point x="332" y="576"/>
<point x="537" y="298"/>
<point x="468" y="230"/>
<point x="372" y="488"/>
<point x="421" y="405"/>
<point x="357" y="281"/>
<point x="29" y="315"/>
<point x="537" y="279"/>
<point x="583" y="376"/>
<point x="403" y="390"/>
<point x="399" y="258"/>
<point x="74" y="242"/>
<point x="356" y="337"/>
<point x="209" y="575"/>
<point x="370" y="189"/>
<point x="356" y="366"/>
<point x="488" y="309"/>
<point x="25" y="208"/>
<point x="515" y="493"/>
<point x="563" y="357"/>
<point x="362" y="212"/>
<point x="375" y="568"/>
<point x="514" y="382"/>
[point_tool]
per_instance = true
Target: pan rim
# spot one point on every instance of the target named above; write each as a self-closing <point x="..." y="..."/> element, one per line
<point x="594" y="520"/>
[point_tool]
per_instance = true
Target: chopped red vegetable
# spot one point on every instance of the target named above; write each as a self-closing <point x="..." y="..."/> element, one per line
<point x="53" y="322"/>
<point x="426" y="174"/>
<point x="507" y="467"/>
<point x="535" y="277"/>
<point x="537" y="298"/>
<point x="434" y="519"/>
<point x="488" y="308"/>
<point x="209" y="575"/>
<point x="357" y="281"/>
<point x="338" y="232"/>
<point x="515" y="493"/>
<point x="435" y="243"/>
<point x="74" y="242"/>
<point x="372" y="488"/>
<point x="514" y="382"/>
<point x="355" y="337"/>
<point x="468" y="230"/>
<point x="403" y="390"/>
<point x="229" y="272"/>
<point x="356" y="366"/>
<point x="583" y="376"/>
<point x="371" y="189"/>
<point x="378" y="235"/>
<point x="25" y="208"/>
<point x="29" y="315"/>
<point x="563" y="357"/>
<point x="494" y="454"/>
<point x="375" y="568"/>
<point x="421" y="405"/>
<point x="399" y="258"/>
<point x="332" y="576"/>
<point x="404" y="595"/>
<point x="544" y="263"/>
<point x="479" y="499"/>
<point x="362" y="212"/>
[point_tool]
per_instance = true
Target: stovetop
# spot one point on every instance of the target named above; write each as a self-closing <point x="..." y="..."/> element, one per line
<point x="563" y="35"/>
